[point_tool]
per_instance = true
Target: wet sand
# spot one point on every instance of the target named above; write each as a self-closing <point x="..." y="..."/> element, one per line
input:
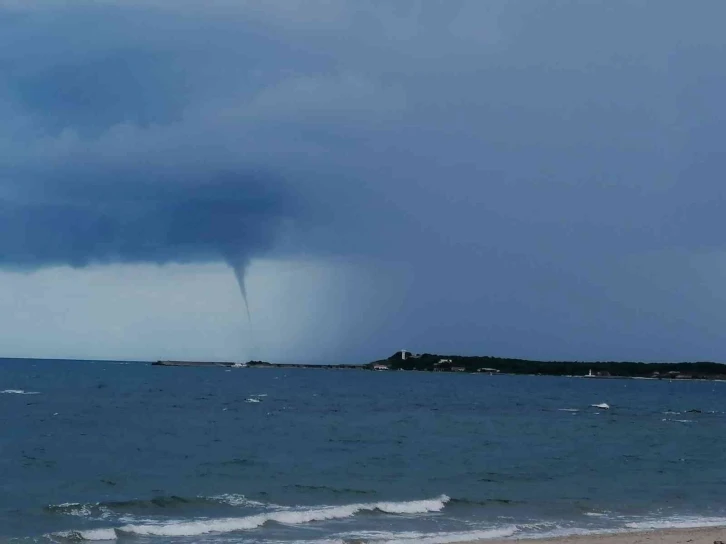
<point x="707" y="535"/>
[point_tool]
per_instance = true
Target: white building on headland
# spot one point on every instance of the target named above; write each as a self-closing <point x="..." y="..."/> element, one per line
<point x="405" y="355"/>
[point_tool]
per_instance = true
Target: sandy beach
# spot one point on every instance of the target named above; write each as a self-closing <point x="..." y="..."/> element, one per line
<point x="707" y="535"/>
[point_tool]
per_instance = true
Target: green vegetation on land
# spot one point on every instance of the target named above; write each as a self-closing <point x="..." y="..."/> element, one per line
<point x="456" y="363"/>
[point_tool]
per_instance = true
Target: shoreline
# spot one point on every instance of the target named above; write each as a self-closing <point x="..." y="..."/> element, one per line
<point x="368" y="368"/>
<point x="696" y="535"/>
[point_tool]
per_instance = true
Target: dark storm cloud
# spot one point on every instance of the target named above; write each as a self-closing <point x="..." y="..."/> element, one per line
<point x="529" y="177"/>
<point x="81" y="75"/>
<point x="230" y="216"/>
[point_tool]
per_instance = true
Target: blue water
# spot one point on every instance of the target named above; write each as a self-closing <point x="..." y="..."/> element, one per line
<point x="127" y="451"/>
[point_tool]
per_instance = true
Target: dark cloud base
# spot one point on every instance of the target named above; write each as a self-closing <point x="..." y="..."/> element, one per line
<point x="231" y="217"/>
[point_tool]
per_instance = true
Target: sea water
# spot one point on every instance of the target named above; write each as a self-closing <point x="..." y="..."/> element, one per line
<point x="136" y="453"/>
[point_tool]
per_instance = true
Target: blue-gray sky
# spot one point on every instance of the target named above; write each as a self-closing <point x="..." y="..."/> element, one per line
<point x="509" y="177"/>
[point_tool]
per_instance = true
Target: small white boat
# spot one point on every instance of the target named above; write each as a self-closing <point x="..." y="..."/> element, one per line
<point x="602" y="406"/>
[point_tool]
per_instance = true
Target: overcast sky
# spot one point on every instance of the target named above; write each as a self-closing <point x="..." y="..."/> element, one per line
<point x="503" y="177"/>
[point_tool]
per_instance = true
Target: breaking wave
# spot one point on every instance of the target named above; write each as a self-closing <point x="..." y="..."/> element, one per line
<point x="240" y="500"/>
<point x="88" y="534"/>
<point x="78" y="509"/>
<point x="288" y="517"/>
<point x="18" y="392"/>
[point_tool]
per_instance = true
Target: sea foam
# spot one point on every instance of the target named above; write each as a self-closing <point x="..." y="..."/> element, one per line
<point x="18" y="392"/>
<point x="678" y="522"/>
<point x="436" y="538"/>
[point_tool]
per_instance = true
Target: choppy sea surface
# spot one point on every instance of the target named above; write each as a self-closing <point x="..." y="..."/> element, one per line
<point x="93" y="451"/>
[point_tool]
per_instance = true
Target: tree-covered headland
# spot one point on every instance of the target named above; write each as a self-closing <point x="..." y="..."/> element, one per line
<point x="428" y="362"/>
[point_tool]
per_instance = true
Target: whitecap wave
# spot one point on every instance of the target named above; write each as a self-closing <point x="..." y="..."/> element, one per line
<point x="88" y="534"/>
<point x="240" y="500"/>
<point x="18" y="392"/>
<point x="73" y="509"/>
<point x="288" y="517"/>
<point x="410" y="507"/>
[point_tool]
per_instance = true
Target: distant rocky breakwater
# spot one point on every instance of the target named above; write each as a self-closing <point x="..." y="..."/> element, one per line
<point x="253" y="364"/>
